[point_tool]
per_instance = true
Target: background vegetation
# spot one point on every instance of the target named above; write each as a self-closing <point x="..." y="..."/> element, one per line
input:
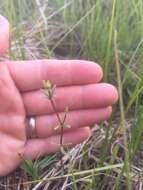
<point x="86" y="29"/>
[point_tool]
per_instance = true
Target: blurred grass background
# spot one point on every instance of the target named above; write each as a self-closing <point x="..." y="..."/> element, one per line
<point x="84" y="29"/>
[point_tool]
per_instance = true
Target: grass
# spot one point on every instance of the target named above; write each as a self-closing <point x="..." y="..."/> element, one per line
<point x="85" y="30"/>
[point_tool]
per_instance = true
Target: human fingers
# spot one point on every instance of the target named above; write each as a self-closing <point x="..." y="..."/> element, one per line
<point x="4" y="35"/>
<point x="39" y="147"/>
<point x="48" y="125"/>
<point x="75" y="97"/>
<point x="28" y="75"/>
<point x="10" y="101"/>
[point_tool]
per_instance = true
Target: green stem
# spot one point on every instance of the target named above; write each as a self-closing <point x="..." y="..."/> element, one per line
<point x="123" y="126"/>
<point x="86" y="172"/>
<point x="107" y="60"/>
<point x="62" y="130"/>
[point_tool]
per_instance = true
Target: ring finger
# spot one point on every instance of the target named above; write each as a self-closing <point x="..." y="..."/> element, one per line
<point x="48" y="125"/>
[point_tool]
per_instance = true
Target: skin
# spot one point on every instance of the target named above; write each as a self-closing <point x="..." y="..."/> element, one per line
<point x="78" y="88"/>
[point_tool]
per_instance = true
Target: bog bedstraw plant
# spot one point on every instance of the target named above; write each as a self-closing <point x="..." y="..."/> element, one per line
<point x="48" y="90"/>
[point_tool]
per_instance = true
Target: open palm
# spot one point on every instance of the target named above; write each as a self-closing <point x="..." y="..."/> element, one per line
<point x="78" y="88"/>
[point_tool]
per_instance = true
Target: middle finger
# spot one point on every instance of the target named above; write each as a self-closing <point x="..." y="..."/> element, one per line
<point x="75" y="97"/>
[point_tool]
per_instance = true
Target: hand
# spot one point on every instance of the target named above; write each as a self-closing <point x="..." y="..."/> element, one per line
<point x="89" y="102"/>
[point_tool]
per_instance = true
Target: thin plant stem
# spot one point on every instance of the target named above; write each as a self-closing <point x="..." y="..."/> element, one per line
<point x="108" y="53"/>
<point x="80" y="173"/>
<point x="62" y="130"/>
<point x="121" y="104"/>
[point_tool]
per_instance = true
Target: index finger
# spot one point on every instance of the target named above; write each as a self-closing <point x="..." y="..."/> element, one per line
<point x="28" y="75"/>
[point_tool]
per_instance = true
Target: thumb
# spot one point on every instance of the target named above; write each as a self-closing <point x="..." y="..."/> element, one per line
<point x="4" y="35"/>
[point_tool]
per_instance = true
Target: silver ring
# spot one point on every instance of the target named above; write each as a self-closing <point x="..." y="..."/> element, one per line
<point x="32" y="127"/>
